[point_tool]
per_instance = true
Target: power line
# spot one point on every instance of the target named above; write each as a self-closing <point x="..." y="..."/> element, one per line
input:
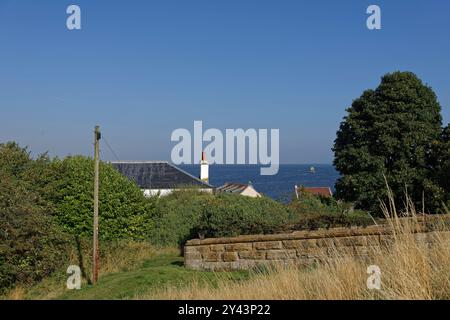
<point x="110" y="148"/>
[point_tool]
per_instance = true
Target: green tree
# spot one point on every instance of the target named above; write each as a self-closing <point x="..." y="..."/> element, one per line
<point x="14" y="160"/>
<point x="124" y="212"/>
<point x="388" y="132"/>
<point x="443" y="166"/>
<point x="37" y="173"/>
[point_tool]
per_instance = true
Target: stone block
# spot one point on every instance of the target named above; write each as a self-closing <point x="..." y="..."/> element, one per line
<point x="203" y="249"/>
<point x="253" y="255"/>
<point x="351" y="241"/>
<point x="300" y="244"/>
<point x="210" y="266"/>
<point x="212" y="257"/>
<point x="321" y="251"/>
<point x="247" y="264"/>
<point x="239" y="247"/>
<point x="325" y="242"/>
<point x="222" y="266"/>
<point x="308" y="243"/>
<point x="192" y="256"/>
<point x="281" y="254"/>
<point x="217" y="247"/>
<point x="291" y="244"/>
<point x="194" y="264"/>
<point x="267" y="245"/>
<point x="230" y="256"/>
<point x="373" y="240"/>
<point x="190" y="249"/>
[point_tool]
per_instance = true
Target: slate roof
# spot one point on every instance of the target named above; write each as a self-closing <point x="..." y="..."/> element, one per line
<point x="232" y="187"/>
<point x="158" y="175"/>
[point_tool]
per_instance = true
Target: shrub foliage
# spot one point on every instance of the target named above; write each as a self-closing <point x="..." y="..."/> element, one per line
<point x="124" y="211"/>
<point x="32" y="246"/>
<point x="312" y="212"/>
<point x="187" y="214"/>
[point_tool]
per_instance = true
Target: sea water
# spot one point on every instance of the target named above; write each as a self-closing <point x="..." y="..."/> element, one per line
<point x="279" y="186"/>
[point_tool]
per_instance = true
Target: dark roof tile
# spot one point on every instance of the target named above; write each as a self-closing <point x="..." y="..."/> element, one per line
<point x="158" y="175"/>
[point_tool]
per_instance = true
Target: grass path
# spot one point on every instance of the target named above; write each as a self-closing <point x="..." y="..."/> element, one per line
<point x="155" y="273"/>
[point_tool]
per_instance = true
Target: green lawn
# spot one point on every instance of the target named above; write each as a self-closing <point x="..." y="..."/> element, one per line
<point x="156" y="273"/>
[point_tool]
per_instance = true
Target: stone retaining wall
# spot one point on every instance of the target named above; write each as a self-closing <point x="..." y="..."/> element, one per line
<point x="300" y="247"/>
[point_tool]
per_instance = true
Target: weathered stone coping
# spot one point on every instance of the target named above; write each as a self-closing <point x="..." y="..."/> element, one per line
<point x="420" y="225"/>
<point x="296" y="235"/>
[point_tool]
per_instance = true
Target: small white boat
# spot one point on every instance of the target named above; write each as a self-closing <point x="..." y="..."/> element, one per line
<point x="312" y="170"/>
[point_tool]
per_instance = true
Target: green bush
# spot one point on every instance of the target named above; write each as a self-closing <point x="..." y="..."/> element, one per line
<point x="185" y="215"/>
<point x="176" y="216"/>
<point x="31" y="244"/>
<point x="232" y="215"/>
<point x="124" y="212"/>
<point x="189" y="214"/>
<point x="312" y="212"/>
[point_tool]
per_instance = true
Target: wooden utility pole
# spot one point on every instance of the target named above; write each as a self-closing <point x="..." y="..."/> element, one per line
<point x="95" y="257"/>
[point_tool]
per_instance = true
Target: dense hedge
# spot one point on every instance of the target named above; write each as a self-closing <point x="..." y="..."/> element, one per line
<point x="188" y="214"/>
<point x="232" y="215"/>
<point x="32" y="246"/>
<point x="176" y="216"/>
<point x="312" y="212"/>
<point x="124" y="211"/>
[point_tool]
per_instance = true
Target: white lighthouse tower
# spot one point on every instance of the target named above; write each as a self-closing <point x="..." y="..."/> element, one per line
<point x="204" y="168"/>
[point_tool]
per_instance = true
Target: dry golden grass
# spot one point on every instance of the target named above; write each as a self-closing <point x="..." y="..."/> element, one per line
<point x="18" y="293"/>
<point x="409" y="270"/>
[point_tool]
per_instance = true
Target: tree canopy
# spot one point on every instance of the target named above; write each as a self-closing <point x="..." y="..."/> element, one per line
<point x="443" y="164"/>
<point x="389" y="134"/>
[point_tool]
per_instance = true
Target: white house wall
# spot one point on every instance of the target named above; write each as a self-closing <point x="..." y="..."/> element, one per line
<point x="250" y="192"/>
<point x="165" y="192"/>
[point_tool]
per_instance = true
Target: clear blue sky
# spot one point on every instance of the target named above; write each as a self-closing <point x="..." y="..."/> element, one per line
<point x="141" y="69"/>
